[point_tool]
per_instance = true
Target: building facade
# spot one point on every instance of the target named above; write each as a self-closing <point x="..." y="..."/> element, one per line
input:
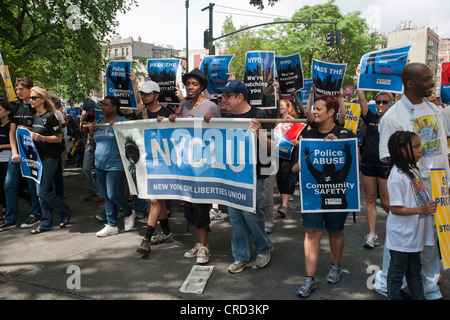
<point x="425" y="42"/>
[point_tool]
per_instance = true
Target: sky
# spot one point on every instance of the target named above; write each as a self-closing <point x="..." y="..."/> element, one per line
<point x="163" y="22"/>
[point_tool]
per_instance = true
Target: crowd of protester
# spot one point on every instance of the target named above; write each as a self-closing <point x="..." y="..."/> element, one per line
<point x="410" y="251"/>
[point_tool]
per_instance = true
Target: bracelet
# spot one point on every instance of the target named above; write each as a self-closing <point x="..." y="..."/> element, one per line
<point x="45" y="139"/>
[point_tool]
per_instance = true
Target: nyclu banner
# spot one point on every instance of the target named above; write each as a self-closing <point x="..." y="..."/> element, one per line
<point x="190" y="160"/>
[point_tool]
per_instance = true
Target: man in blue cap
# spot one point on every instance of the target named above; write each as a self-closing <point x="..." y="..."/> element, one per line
<point x="246" y="223"/>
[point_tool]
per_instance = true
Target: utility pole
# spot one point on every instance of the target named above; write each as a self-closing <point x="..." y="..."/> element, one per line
<point x="187" y="35"/>
<point x="208" y="41"/>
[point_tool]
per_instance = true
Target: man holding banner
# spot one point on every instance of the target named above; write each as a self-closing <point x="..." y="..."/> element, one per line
<point x="415" y="113"/>
<point x="243" y="222"/>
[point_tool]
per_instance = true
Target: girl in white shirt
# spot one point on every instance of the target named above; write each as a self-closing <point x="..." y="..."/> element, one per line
<point x="409" y="225"/>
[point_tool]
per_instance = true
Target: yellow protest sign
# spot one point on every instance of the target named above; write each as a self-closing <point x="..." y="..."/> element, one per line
<point x="439" y="183"/>
<point x="352" y="116"/>
<point x="7" y="83"/>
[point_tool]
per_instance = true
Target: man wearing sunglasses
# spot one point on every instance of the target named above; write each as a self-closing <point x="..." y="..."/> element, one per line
<point x="21" y="115"/>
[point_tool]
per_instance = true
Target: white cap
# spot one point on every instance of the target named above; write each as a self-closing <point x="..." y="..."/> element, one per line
<point x="149" y="86"/>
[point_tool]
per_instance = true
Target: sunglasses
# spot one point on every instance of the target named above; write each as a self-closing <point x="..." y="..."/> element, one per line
<point x="382" y="102"/>
<point x="34" y="98"/>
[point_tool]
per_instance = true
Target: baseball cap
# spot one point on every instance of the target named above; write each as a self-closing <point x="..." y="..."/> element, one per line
<point x="149" y="86"/>
<point x="89" y="105"/>
<point x="234" y="86"/>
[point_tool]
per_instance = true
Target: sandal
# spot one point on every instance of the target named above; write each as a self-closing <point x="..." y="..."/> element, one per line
<point x="38" y="231"/>
<point x="64" y="222"/>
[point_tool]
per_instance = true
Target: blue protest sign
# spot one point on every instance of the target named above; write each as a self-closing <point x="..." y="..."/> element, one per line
<point x="259" y="77"/>
<point x="290" y="73"/>
<point x="329" y="180"/>
<point x="30" y="162"/>
<point x="215" y="69"/>
<point x="381" y="70"/>
<point x="164" y="72"/>
<point x="304" y="93"/>
<point x="119" y="85"/>
<point x="190" y="160"/>
<point x="328" y="77"/>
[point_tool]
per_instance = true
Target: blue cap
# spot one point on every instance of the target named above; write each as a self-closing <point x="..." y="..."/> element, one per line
<point x="89" y="105"/>
<point x="234" y="86"/>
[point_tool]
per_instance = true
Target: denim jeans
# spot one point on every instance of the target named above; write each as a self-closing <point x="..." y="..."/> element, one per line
<point x="94" y="187"/>
<point x="49" y="200"/>
<point x="113" y="182"/>
<point x="244" y="224"/>
<point x="140" y="206"/>
<point x="12" y="181"/>
<point x="3" y="171"/>
<point x="404" y="264"/>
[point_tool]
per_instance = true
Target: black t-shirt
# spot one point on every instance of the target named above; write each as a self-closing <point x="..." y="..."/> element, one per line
<point x="22" y="114"/>
<point x="4" y="133"/>
<point x="338" y="131"/>
<point x="255" y="113"/>
<point x="163" y="112"/>
<point x="47" y="125"/>
<point x="371" y="151"/>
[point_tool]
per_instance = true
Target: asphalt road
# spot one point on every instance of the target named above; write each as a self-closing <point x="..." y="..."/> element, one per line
<point x="44" y="267"/>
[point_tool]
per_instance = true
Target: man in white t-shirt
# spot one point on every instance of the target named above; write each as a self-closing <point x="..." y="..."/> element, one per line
<point x="415" y="113"/>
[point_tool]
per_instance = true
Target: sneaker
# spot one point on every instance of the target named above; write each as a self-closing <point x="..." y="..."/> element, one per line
<point x="144" y="248"/>
<point x="308" y="286"/>
<point x="215" y="214"/>
<point x="129" y="221"/>
<point x="31" y="221"/>
<point x="107" y="231"/>
<point x="262" y="259"/>
<point x="282" y="210"/>
<point x="100" y="218"/>
<point x="371" y="241"/>
<point x="239" y="266"/>
<point x="5" y="225"/>
<point x="193" y="252"/>
<point x="161" y="238"/>
<point x="203" y="255"/>
<point x="335" y="274"/>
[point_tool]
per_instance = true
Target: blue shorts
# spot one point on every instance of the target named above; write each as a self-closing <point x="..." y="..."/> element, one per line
<point x="333" y="221"/>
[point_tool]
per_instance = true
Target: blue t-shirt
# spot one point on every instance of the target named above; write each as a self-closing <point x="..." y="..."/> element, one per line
<point x="74" y="112"/>
<point x="107" y="155"/>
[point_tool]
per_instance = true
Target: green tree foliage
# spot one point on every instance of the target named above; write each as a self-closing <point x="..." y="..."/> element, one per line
<point x="310" y="39"/>
<point x="260" y="3"/>
<point x="58" y="43"/>
<point x="238" y="44"/>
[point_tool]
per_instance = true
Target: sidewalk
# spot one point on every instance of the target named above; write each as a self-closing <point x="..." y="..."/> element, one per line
<point x="40" y="267"/>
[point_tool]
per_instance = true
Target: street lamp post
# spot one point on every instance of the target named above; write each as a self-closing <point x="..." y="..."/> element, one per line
<point x="187" y="36"/>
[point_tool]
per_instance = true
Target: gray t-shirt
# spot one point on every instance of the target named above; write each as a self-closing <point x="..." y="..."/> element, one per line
<point x="207" y="106"/>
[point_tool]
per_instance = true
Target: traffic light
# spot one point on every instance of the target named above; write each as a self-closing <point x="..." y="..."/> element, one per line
<point x="206" y="39"/>
<point x="337" y="37"/>
<point x="330" y="39"/>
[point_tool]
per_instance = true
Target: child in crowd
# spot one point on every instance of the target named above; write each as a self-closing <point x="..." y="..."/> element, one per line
<point x="409" y="225"/>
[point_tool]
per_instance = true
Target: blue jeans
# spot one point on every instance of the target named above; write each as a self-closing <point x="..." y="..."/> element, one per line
<point x="404" y="264"/>
<point x="12" y="180"/>
<point x="94" y="187"/>
<point x="113" y="183"/>
<point x="244" y="223"/>
<point x="49" y="200"/>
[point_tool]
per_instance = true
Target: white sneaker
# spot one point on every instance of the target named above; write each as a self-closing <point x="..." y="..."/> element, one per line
<point x="107" y="231"/>
<point x="193" y="252"/>
<point x="203" y="255"/>
<point x="129" y="221"/>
